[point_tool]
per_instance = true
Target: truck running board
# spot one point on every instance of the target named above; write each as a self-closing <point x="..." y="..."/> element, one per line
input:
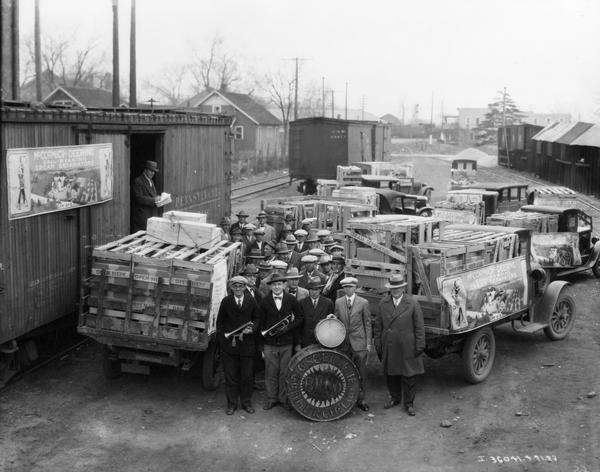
<point x="527" y="328"/>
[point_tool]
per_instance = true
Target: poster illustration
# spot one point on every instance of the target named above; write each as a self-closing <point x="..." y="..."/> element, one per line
<point x="47" y="179"/>
<point x="484" y="295"/>
<point x="556" y="249"/>
<point x="455" y="216"/>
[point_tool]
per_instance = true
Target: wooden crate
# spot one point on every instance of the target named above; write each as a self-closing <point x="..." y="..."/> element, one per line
<point x="537" y="222"/>
<point x="184" y="232"/>
<point x="145" y="291"/>
<point x="348" y="175"/>
<point x="498" y="246"/>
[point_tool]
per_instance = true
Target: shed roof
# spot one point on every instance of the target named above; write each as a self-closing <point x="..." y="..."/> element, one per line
<point x="590" y="137"/>
<point x="563" y="133"/>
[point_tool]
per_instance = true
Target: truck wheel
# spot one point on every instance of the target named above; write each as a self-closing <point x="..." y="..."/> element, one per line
<point x="111" y="367"/>
<point x="596" y="268"/>
<point x="478" y="355"/>
<point x="426" y="212"/>
<point x="211" y="377"/>
<point x="562" y="318"/>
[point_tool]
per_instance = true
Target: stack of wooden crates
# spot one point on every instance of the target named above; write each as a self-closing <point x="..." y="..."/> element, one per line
<point x="144" y="292"/>
<point x="537" y="222"/>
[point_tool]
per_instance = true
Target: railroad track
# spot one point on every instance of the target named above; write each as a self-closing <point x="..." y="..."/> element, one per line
<point x="255" y="188"/>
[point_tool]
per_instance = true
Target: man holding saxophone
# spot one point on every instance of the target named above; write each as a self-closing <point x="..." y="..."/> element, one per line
<point x="236" y="324"/>
<point x="279" y="316"/>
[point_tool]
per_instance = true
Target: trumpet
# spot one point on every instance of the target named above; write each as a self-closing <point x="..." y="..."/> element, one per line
<point x="278" y="327"/>
<point x="238" y="332"/>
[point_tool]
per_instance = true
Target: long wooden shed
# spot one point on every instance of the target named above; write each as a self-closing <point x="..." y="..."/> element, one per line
<point x="44" y="257"/>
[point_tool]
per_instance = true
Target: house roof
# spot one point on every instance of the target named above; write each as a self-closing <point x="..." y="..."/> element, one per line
<point x="85" y="97"/>
<point x="242" y="102"/>
<point x="563" y="133"/>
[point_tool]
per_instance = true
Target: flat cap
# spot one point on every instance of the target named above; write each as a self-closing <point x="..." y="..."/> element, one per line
<point x="238" y="279"/>
<point x="322" y="233"/>
<point x="300" y="232"/>
<point x="349" y="281"/>
<point x="309" y="258"/>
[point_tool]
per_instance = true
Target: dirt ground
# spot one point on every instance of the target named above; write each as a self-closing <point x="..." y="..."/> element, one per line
<point x="536" y="412"/>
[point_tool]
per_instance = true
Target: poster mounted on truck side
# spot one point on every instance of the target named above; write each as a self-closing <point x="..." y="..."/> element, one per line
<point x="481" y="296"/>
<point x="48" y="179"/>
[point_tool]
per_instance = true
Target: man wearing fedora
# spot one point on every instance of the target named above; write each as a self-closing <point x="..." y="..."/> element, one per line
<point x="400" y="341"/>
<point x="333" y="283"/>
<point x="278" y="345"/>
<point x="145" y="196"/>
<point x="314" y="308"/>
<point x="293" y="277"/>
<point x="354" y="312"/>
<point x="238" y="350"/>
<point x="262" y="223"/>
<point x="242" y="217"/>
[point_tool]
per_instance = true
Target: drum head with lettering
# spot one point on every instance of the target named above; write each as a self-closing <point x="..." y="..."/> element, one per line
<point x="323" y="384"/>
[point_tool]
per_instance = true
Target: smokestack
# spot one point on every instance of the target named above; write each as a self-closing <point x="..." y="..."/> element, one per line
<point x="116" y="95"/>
<point x="38" y="53"/>
<point x="132" y="61"/>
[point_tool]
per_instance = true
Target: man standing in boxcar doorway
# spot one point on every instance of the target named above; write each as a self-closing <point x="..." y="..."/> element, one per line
<point x="144" y="196"/>
<point x="400" y="341"/>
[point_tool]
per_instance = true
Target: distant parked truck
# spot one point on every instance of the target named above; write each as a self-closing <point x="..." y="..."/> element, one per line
<point x="318" y="145"/>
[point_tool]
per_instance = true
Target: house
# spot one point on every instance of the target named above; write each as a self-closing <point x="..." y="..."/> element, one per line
<point x="80" y="97"/>
<point x="257" y="132"/>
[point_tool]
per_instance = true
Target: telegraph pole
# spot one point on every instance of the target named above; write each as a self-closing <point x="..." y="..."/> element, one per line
<point x="346" y="103"/>
<point x="116" y="94"/>
<point x="363" y="107"/>
<point x="132" y="60"/>
<point x="297" y="61"/>
<point x="38" y="53"/>
<point x="323" y="95"/>
<point x="504" y="126"/>
<point x="332" y="104"/>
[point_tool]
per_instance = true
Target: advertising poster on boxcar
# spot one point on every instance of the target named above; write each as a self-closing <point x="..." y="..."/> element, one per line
<point x="484" y="295"/>
<point x="48" y="179"/>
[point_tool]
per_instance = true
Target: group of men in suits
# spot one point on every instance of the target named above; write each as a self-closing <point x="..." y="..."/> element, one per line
<point x="283" y="322"/>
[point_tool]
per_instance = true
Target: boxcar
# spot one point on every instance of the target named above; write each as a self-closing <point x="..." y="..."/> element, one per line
<point x="318" y="145"/>
<point x="515" y="147"/>
<point x="44" y="257"/>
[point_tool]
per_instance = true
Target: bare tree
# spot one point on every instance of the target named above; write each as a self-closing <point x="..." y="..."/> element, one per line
<point x="172" y="87"/>
<point x="215" y="70"/>
<point x="280" y="91"/>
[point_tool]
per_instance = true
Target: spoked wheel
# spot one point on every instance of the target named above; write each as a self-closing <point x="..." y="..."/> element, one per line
<point x="478" y="355"/>
<point x="211" y="377"/>
<point x="562" y="318"/>
<point x="596" y="268"/>
<point x="426" y="212"/>
<point x="111" y="367"/>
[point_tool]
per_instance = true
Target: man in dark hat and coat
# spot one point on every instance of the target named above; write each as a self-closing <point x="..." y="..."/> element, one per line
<point x="238" y="350"/>
<point x="333" y="283"/>
<point x="315" y="308"/>
<point x="242" y="216"/>
<point x="399" y="334"/>
<point x="144" y="197"/>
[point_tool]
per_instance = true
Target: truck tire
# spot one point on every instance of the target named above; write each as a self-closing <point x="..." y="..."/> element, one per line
<point x="211" y="378"/>
<point x="478" y="355"/>
<point x="562" y="318"/>
<point x="596" y="268"/>
<point x="111" y="367"/>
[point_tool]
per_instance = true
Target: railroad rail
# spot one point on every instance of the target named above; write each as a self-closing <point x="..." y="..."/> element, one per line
<point x="255" y="188"/>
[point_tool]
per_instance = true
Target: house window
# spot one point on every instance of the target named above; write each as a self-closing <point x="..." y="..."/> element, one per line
<point x="216" y="108"/>
<point x="238" y="132"/>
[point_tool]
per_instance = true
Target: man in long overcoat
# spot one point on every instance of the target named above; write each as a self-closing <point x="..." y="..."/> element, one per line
<point x="144" y="196"/>
<point x="400" y="340"/>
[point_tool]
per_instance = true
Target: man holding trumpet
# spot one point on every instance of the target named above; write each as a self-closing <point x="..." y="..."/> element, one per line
<point x="279" y="315"/>
<point x="236" y="323"/>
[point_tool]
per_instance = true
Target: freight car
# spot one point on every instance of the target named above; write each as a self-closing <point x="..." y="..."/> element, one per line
<point x="44" y="255"/>
<point x="318" y="145"/>
<point x="515" y="146"/>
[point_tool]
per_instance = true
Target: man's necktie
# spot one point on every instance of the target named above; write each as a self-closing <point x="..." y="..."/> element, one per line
<point x="349" y="304"/>
<point x="239" y="302"/>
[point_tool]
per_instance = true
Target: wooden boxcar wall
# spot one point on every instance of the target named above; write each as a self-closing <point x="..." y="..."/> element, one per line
<point x="43" y="258"/>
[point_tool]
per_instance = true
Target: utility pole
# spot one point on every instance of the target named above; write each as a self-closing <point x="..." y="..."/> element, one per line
<point x="363" y="107"/>
<point x="296" y="78"/>
<point x="332" y="104"/>
<point x="132" y="60"/>
<point x="504" y="126"/>
<point x="116" y="94"/>
<point x="346" y="103"/>
<point x="38" y="53"/>
<point x="323" y="94"/>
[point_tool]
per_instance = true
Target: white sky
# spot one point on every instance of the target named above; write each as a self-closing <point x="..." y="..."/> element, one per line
<point x="546" y="52"/>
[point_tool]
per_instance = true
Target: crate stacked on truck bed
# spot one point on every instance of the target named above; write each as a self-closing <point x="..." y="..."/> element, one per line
<point x="144" y="292"/>
<point x="537" y="222"/>
<point x="461" y="208"/>
<point x="349" y="175"/>
<point x="381" y="245"/>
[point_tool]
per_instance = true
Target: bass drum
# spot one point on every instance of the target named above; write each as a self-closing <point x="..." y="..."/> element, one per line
<point x="330" y="332"/>
<point x="323" y="384"/>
